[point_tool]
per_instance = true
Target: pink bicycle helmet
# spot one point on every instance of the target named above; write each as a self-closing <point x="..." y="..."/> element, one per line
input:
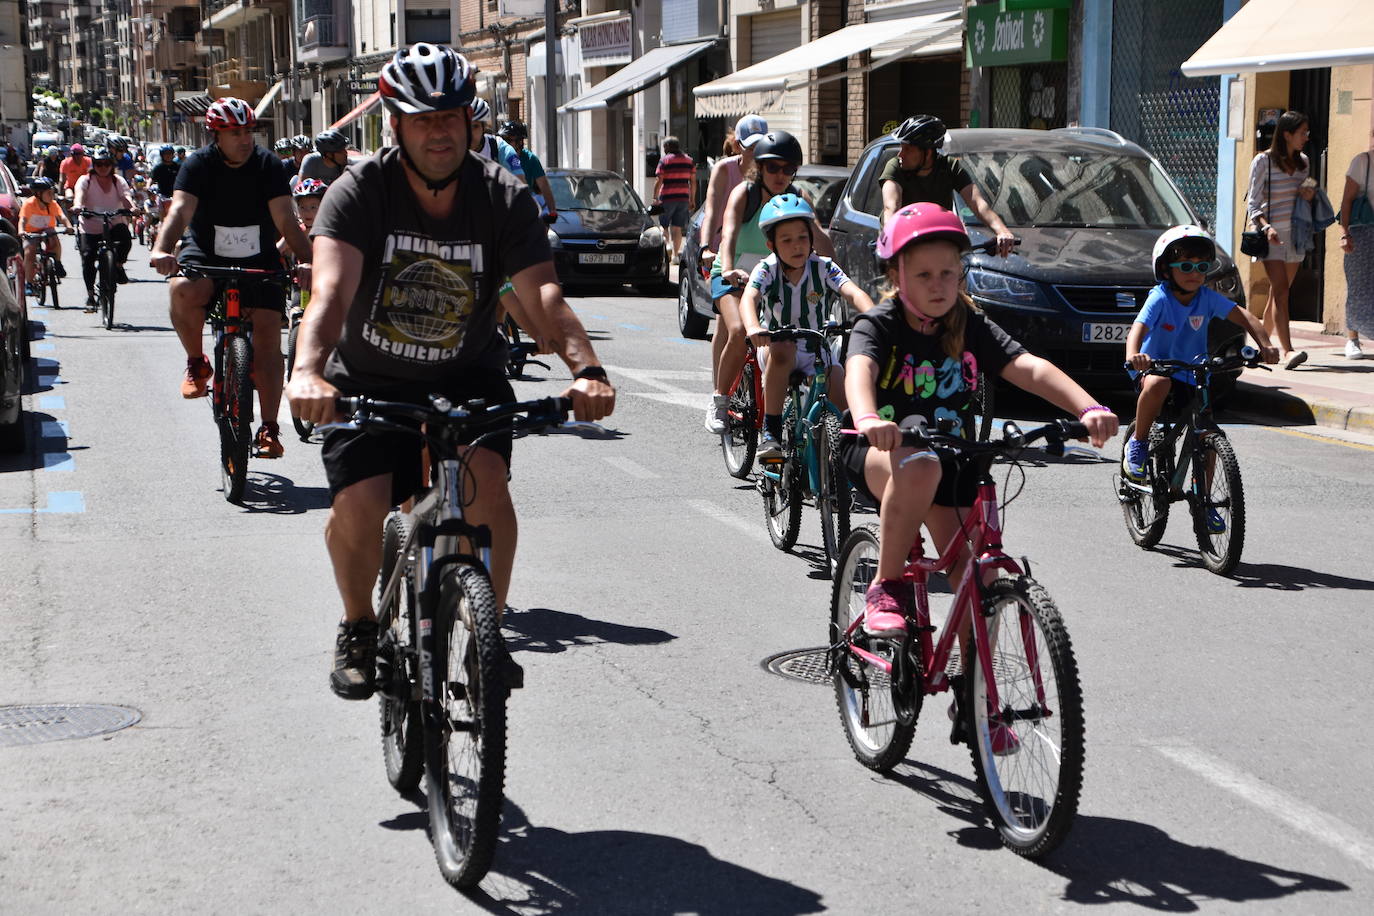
<point x="78" y="148"/>
<point x="923" y="222"/>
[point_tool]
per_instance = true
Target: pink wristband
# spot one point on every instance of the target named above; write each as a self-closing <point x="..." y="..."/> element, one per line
<point x="867" y="416"/>
<point x="1090" y="409"/>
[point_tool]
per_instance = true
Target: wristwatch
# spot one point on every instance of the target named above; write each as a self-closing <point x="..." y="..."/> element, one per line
<point x="591" y="372"/>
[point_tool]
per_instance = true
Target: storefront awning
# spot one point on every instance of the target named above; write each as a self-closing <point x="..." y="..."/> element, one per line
<point x="359" y="110"/>
<point x="192" y="104"/>
<point x="761" y="86"/>
<point x="266" y="100"/>
<point x="638" y="74"/>
<point x="1288" y="35"/>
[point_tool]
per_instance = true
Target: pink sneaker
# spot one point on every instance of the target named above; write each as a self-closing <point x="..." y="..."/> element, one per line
<point x="1004" y="740"/>
<point x="883" y="606"/>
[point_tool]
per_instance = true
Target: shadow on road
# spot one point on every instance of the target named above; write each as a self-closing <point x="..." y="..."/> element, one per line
<point x="1110" y="860"/>
<point x="545" y="630"/>
<point x="277" y="495"/>
<point x="1274" y="576"/>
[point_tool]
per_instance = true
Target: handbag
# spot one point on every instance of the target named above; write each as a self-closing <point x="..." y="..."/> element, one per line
<point x="1361" y="212"/>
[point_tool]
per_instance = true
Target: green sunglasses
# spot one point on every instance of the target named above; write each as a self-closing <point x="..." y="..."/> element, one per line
<point x="1189" y="266"/>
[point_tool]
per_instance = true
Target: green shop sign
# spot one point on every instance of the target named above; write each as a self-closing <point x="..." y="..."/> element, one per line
<point x="997" y="38"/>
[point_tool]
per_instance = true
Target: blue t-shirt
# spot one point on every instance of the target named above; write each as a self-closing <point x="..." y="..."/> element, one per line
<point x="1178" y="331"/>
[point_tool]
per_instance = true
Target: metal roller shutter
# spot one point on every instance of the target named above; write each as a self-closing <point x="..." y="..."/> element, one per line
<point x="770" y="34"/>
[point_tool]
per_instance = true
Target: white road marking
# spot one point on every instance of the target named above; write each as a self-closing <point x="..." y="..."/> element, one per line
<point x="721" y="514"/>
<point x="633" y="468"/>
<point x="1317" y="824"/>
<point x="668" y="393"/>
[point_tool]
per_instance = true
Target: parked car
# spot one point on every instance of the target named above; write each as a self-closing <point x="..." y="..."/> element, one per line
<point x="11" y="199"/>
<point x="604" y="234"/>
<point x="822" y="184"/>
<point x="1087" y="205"/>
<point x="12" y="337"/>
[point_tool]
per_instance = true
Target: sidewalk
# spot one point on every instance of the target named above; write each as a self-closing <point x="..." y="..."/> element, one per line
<point x="1328" y="390"/>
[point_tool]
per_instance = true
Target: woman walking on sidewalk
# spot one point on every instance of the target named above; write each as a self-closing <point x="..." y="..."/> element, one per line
<point x="1278" y="178"/>
<point x="1357" y="241"/>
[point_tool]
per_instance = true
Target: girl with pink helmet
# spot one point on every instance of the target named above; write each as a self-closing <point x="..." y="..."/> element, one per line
<point x="917" y="355"/>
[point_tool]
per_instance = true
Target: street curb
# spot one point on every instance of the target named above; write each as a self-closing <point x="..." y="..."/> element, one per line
<point x="1307" y="411"/>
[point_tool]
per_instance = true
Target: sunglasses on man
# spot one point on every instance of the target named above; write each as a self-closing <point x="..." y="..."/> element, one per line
<point x="774" y="167"/>
<point x="1189" y="266"/>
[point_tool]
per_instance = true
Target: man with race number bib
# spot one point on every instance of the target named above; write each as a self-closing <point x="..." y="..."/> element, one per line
<point x="411" y="247"/>
<point x="232" y="200"/>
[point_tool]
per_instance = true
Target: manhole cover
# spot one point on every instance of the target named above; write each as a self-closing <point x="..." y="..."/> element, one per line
<point x="805" y="665"/>
<point x="37" y="724"/>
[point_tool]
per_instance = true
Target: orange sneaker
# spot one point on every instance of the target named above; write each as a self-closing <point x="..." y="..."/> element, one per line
<point x="198" y="372"/>
<point x="267" y="443"/>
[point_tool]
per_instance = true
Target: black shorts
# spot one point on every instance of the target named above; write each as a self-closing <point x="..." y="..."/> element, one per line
<point x="351" y="455"/>
<point x="252" y="295"/>
<point x="1180" y="394"/>
<point x="958" y="486"/>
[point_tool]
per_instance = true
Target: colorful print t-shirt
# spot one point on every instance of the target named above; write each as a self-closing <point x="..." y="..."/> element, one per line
<point x="916" y="378"/>
<point x="425" y="307"/>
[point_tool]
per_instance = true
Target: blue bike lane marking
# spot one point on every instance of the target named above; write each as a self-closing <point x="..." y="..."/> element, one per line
<point x="52" y="438"/>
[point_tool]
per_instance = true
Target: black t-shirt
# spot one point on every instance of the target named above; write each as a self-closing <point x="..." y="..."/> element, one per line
<point x="426" y="301"/>
<point x="946" y="178"/>
<point x="164" y="177"/>
<point x="916" y="378"/>
<point x="232" y="224"/>
<point x="293" y="167"/>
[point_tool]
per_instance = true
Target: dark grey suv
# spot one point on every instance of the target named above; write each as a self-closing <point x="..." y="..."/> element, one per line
<point x="1087" y="205"/>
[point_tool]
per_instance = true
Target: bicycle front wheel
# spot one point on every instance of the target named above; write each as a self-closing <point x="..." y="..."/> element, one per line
<point x="984" y="403"/>
<point x="781" y="484"/>
<point x="465" y="751"/>
<point x="740" y="439"/>
<point x="403" y="749"/>
<point x="832" y="496"/>
<point x="52" y="281"/>
<point x="236" y="417"/>
<point x="1028" y="751"/>
<point x="1146" y="514"/>
<point x="107" y="288"/>
<point x="878" y="736"/>
<point x="1220" y="537"/>
<point x="41" y="286"/>
<point x="304" y="428"/>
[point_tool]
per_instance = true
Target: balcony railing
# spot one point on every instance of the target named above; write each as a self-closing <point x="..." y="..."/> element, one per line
<point x="322" y="32"/>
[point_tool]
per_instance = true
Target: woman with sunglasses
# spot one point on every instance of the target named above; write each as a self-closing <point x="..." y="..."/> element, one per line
<point x="102" y="189"/>
<point x="1173" y="325"/>
<point x="743" y="245"/>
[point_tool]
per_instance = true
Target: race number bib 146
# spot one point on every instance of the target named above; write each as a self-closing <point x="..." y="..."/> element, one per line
<point x="237" y="241"/>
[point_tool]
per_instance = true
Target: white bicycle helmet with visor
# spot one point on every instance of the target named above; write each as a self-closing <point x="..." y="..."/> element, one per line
<point x="426" y="77"/>
<point x="227" y="113"/>
<point x="1197" y="240"/>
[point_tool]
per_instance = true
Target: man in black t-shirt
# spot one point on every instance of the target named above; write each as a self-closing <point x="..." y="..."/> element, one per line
<point x="232" y="201"/>
<point x="919" y="173"/>
<point x="412" y="247"/>
<point x="164" y="175"/>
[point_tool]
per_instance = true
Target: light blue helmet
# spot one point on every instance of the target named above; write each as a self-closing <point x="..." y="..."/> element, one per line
<point x="782" y="207"/>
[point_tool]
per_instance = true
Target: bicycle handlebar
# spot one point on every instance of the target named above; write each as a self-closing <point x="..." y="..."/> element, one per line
<point x="1014" y="439"/>
<point x="782" y="335"/>
<point x="105" y="214"/>
<point x="217" y="271"/>
<point x="370" y="415"/>
<point x="1248" y="357"/>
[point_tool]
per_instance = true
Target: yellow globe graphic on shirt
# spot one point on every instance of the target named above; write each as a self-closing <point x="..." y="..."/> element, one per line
<point x="429" y="303"/>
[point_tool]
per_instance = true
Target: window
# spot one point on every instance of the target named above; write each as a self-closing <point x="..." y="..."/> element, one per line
<point x="868" y="193"/>
<point x="427" y="25"/>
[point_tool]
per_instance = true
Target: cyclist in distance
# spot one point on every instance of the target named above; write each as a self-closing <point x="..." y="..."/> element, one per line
<point x="531" y="168"/>
<point x="41" y="213"/>
<point x="233" y="202"/>
<point x="916" y="356"/>
<point x="73" y="167"/>
<point x="287" y="154"/>
<point x="102" y="189"/>
<point x="920" y="173"/>
<point x="328" y="161"/>
<point x="1173" y="325"/>
<point x="411" y="247"/>
<point x="164" y="175"/>
<point x="489" y="144"/>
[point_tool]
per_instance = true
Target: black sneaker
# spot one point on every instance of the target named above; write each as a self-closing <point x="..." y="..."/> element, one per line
<point x="355" y="660"/>
<point x="120" y="276"/>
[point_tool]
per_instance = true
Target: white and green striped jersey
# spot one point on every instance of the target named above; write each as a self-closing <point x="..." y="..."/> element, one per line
<point x="805" y="304"/>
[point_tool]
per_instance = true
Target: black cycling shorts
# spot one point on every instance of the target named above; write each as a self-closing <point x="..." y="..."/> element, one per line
<point x="252" y="295"/>
<point x="351" y="455"/>
<point x="1180" y="394"/>
<point x="958" y="486"/>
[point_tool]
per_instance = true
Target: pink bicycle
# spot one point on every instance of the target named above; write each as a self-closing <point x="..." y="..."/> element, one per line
<point x="1018" y="704"/>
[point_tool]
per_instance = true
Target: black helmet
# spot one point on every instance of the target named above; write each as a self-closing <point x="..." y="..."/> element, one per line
<point x="778" y="144"/>
<point x="514" y="130"/>
<point x="924" y="131"/>
<point x="330" y="141"/>
<point x="41" y="184"/>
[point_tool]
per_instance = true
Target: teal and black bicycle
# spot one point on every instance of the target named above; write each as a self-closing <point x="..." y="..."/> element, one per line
<point x="810" y="469"/>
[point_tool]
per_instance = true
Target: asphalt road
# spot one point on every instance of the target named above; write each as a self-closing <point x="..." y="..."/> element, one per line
<point x="655" y="766"/>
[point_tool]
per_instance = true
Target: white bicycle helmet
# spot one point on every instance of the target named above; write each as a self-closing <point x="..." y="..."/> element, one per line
<point x="426" y="77"/>
<point x="481" y="111"/>
<point x="1171" y="237"/>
